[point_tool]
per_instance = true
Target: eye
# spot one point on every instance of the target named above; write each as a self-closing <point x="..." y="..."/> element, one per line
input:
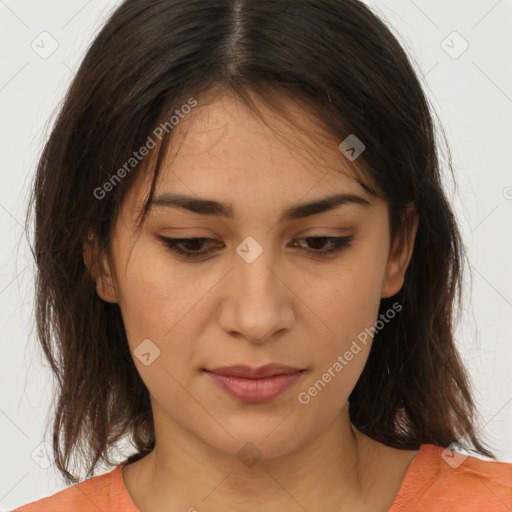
<point x="338" y="243"/>
<point x="191" y="248"/>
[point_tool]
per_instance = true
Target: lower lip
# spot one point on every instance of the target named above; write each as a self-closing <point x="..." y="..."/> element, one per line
<point x="255" y="390"/>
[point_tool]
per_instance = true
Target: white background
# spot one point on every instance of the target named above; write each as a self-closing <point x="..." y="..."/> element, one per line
<point x="472" y="95"/>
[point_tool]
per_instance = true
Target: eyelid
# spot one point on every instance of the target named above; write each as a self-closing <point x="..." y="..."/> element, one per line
<point x="339" y="244"/>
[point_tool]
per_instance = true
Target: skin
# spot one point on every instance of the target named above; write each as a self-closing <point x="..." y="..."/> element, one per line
<point x="287" y="306"/>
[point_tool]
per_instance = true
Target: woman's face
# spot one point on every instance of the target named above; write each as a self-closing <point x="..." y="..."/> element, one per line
<point x="263" y="293"/>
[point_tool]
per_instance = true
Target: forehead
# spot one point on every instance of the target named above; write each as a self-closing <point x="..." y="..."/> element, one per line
<point x="223" y="149"/>
<point x="226" y="131"/>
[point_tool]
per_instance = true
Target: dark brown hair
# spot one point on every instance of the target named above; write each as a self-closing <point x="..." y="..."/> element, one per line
<point x="342" y="62"/>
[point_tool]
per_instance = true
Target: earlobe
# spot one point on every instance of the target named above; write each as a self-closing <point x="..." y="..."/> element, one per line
<point x="99" y="270"/>
<point x="400" y="254"/>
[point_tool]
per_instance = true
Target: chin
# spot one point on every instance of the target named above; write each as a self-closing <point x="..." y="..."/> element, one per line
<point x="250" y="445"/>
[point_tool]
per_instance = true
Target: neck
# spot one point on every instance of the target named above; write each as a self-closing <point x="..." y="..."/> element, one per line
<point x="183" y="472"/>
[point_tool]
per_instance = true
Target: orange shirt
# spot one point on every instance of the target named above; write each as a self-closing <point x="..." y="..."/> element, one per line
<point x="431" y="484"/>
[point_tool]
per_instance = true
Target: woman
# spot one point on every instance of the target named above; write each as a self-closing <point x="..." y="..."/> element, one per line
<point x="247" y="264"/>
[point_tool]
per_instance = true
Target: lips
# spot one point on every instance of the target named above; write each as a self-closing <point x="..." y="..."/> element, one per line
<point x="269" y="370"/>
<point x="255" y="385"/>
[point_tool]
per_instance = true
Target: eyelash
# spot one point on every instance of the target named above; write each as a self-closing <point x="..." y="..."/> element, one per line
<point x="340" y="243"/>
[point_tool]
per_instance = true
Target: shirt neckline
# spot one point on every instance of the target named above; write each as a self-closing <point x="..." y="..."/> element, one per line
<point x="120" y="498"/>
<point x="423" y="468"/>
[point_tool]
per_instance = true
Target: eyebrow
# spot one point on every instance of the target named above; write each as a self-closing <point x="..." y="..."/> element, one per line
<point x="211" y="207"/>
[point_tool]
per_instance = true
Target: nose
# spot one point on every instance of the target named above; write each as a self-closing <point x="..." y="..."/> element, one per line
<point x="257" y="303"/>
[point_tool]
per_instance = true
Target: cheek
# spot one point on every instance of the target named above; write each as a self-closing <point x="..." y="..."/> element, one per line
<point x="161" y="335"/>
<point x="156" y="306"/>
<point x="153" y="295"/>
<point x="362" y="282"/>
<point x="350" y="309"/>
<point x="349" y="298"/>
<point x="348" y="303"/>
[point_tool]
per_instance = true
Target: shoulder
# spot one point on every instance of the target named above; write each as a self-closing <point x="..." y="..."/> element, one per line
<point x="442" y="480"/>
<point x="102" y="492"/>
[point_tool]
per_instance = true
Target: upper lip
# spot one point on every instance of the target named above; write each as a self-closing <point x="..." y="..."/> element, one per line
<point x="269" y="370"/>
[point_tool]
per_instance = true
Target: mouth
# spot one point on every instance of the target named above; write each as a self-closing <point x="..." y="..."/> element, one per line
<point x="255" y="385"/>
<point x="241" y="370"/>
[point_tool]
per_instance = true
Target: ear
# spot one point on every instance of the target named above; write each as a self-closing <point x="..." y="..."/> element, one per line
<point x="99" y="269"/>
<point x="400" y="254"/>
